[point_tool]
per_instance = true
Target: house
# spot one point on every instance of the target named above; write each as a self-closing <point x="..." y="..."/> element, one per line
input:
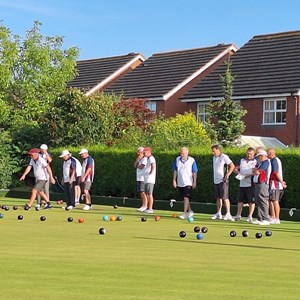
<point x="96" y="74"/>
<point x="267" y="84"/>
<point x="164" y="77"/>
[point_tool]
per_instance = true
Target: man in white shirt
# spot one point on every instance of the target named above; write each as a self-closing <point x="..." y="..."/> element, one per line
<point x="149" y="169"/>
<point x="222" y="168"/>
<point x="42" y="173"/>
<point x="140" y="183"/>
<point x="246" y="193"/>
<point x="184" y="178"/>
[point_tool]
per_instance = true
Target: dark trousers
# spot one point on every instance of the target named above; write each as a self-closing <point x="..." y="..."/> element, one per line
<point x="262" y="201"/>
<point x="70" y="193"/>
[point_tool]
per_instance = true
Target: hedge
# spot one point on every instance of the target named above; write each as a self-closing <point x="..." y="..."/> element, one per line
<point x="115" y="175"/>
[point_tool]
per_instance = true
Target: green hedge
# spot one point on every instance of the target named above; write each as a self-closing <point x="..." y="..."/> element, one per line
<point x="115" y="175"/>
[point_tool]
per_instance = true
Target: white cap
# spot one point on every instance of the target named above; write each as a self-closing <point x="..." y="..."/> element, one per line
<point x="83" y="151"/>
<point x="44" y="147"/>
<point x="262" y="153"/>
<point x="64" y="153"/>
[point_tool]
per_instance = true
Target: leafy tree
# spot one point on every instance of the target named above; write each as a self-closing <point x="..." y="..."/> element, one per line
<point x="225" y="123"/>
<point x="172" y="133"/>
<point x="131" y="114"/>
<point x="76" y="119"/>
<point x="33" y="71"/>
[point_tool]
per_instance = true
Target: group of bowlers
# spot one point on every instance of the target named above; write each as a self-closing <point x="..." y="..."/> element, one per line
<point x="259" y="174"/>
<point x="77" y="177"/>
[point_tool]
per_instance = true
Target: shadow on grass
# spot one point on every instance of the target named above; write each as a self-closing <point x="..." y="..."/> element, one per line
<point x="218" y="244"/>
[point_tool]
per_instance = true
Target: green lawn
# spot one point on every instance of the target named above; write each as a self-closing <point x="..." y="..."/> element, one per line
<point x="56" y="259"/>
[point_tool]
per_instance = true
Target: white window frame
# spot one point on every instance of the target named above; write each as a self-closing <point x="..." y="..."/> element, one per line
<point x="268" y="108"/>
<point x="151" y="105"/>
<point x="202" y="115"/>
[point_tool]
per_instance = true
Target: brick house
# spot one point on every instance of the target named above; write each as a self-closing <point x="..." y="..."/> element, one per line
<point x="96" y="74"/>
<point x="267" y="84"/>
<point x="164" y="77"/>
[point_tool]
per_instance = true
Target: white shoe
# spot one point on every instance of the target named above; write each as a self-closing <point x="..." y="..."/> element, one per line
<point x="142" y="208"/>
<point x="190" y="213"/>
<point x="183" y="216"/>
<point x="264" y="223"/>
<point x="257" y="222"/>
<point x="70" y="207"/>
<point x="87" y="207"/>
<point x="77" y="203"/>
<point x="37" y="207"/>
<point x="217" y="216"/>
<point x="149" y="211"/>
<point x="249" y="219"/>
<point x="228" y="217"/>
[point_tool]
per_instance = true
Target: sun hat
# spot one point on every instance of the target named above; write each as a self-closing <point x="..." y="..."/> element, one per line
<point x="33" y="151"/>
<point x="44" y="147"/>
<point x="83" y="151"/>
<point x="262" y="153"/>
<point x="64" y="153"/>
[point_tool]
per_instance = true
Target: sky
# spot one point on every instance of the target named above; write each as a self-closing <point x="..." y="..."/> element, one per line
<point x="103" y="28"/>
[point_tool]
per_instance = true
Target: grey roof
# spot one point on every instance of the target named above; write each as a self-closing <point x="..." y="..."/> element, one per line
<point x="162" y="72"/>
<point x="265" y="65"/>
<point x="93" y="71"/>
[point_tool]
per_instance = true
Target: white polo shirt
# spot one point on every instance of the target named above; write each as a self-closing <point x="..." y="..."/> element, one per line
<point x="219" y="163"/>
<point x="140" y="172"/>
<point x="246" y="167"/>
<point x="150" y="178"/>
<point x="185" y="170"/>
<point x="39" y="168"/>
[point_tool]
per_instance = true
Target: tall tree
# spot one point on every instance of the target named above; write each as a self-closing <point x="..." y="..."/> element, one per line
<point x="225" y="124"/>
<point x="33" y="71"/>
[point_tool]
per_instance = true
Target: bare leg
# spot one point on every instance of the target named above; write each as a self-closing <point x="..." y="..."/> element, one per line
<point x="144" y="199"/>
<point x="227" y="206"/>
<point x="251" y="209"/>
<point x="219" y="205"/>
<point x="150" y="201"/>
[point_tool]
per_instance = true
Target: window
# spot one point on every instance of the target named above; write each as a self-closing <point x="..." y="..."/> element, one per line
<point x="274" y="111"/>
<point x="151" y="105"/>
<point x="202" y="112"/>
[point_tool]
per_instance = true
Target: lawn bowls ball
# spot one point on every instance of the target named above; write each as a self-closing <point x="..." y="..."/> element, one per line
<point x="157" y="218"/>
<point x="232" y="233"/>
<point x="115" y="206"/>
<point x="15" y="207"/>
<point x="1" y="216"/>
<point x="245" y="233"/>
<point x="119" y="218"/>
<point x="105" y="218"/>
<point x="143" y="219"/>
<point x="20" y="217"/>
<point x="197" y="229"/>
<point x="204" y="229"/>
<point x="190" y="219"/>
<point x="70" y="219"/>
<point x="268" y="233"/>
<point x="258" y="235"/>
<point x="199" y="236"/>
<point x="102" y="231"/>
<point x="182" y="234"/>
<point x="43" y="218"/>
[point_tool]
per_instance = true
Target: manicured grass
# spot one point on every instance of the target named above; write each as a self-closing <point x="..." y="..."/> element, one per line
<point x="143" y="260"/>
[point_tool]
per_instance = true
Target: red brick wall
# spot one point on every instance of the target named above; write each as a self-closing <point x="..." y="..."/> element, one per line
<point x="288" y="134"/>
<point x="254" y="122"/>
